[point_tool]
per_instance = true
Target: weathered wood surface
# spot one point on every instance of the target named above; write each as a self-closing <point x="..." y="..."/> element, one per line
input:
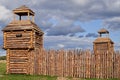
<point x="27" y="39"/>
<point x="23" y="51"/>
<point x="20" y="61"/>
<point x="23" y="39"/>
<point x="12" y="41"/>
<point x="74" y="63"/>
<point x="78" y="63"/>
<point x="17" y="62"/>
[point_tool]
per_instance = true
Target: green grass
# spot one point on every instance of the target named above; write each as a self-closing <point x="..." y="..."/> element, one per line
<point x="26" y="77"/>
<point x="4" y="76"/>
<point x="2" y="68"/>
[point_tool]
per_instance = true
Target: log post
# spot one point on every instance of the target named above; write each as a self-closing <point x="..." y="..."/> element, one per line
<point x="8" y="61"/>
<point x="4" y="39"/>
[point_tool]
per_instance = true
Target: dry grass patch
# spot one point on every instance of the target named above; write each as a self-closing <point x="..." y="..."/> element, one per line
<point x="2" y="61"/>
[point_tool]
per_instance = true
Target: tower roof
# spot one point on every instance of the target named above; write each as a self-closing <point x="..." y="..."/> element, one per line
<point x="22" y="25"/>
<point x="103" y="40"/>
<point x="18" y="25"/>
<point x="103" y="31"/>
<point x="23" y="10"/>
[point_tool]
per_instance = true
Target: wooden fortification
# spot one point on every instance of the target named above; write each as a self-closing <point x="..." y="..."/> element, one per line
<point x="104" y="52"/>
<point x="23" y="41"/>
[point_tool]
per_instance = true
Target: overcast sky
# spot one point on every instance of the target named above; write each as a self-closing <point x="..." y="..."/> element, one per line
<point x="68" y="23"/>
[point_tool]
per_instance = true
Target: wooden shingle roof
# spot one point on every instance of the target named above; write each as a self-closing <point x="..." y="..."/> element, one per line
<point x="102" y="40"/>
<point x="23" y="10"/>
<point x="22" y="25"/>
<point x="103" y="31"/>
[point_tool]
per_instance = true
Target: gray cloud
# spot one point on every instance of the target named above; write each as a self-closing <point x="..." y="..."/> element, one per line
<point x="117" y="46"/>
<point x="113" y="23"/>
<point x="44" y="25"/>
<point x="65" y="29"/>
<point x="92" y="35"/>
<point x="5" y="14"/>
<point x="66" y="42"/>
<point x="62" y="10"/>
<point x="81" y="36"/>
<point x="82" y="10"/>
<point x="78" y="10"/>
<point x="71" y="35"/>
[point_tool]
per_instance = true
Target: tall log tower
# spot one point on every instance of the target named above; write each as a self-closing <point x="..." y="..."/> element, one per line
<point x="22" y="40"/>
<point x="103" y="50"/>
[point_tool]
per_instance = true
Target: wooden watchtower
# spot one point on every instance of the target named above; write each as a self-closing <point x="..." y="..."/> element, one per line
<point x="103" y="43"/>
<point x="22" y="39"/>
<point x="103" y="50"/>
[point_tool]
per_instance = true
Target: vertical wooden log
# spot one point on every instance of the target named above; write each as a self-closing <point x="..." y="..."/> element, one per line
<point x="48" y="62"/>
<point x="40" y="61"/>
<point x="89" y="62"/>
<point x="5" y="36"/>
<point x="82" y="65"/>
<point x="86" y="64"/>
<point x="72" y="63"/>
<point x="8" y="61"/>
<point x="43" y="62"/>
<point x="65" y="63"/>
<point x="28" y="62"/>
<point x="105" y="64"/>
<point x="94" y="67"/>
<point x="68" y="68"/>
<point x="116" y="73"/>
<point x="118" y="66"/>
<point x="32" y="37"/>
<point x="84" y="68"/>
<point x="14" y="18"/>
<point x="114" y="65"/>
<point x="63" y="55"/>
<point x="33" y="62"/>
<point x="28" y="15"/>
<point x="33" y="19"/>
<point x="80" y="68"/>
<point x="47" y="68"/>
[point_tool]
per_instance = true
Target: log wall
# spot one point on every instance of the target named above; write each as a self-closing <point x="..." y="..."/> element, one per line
<point x="71" y="63"/>
<point x="18" y="39"/>
<point x="20" y="61"/>
<point x="22" y="51"/>
<point x="78" y="63"/>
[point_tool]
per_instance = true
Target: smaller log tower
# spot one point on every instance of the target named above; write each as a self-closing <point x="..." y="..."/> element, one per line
<point x="103" y="50"/>
<point x="22" y="40"/>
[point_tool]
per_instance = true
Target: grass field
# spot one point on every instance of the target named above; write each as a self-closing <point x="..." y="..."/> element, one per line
<point x="4" y="76"/>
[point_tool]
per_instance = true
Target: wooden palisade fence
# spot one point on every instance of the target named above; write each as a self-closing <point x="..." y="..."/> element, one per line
<point x="78" y="63"/>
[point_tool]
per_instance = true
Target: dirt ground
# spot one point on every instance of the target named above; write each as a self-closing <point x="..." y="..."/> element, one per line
<point x="62" y="78"/>
<point x="2" y="61"/>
